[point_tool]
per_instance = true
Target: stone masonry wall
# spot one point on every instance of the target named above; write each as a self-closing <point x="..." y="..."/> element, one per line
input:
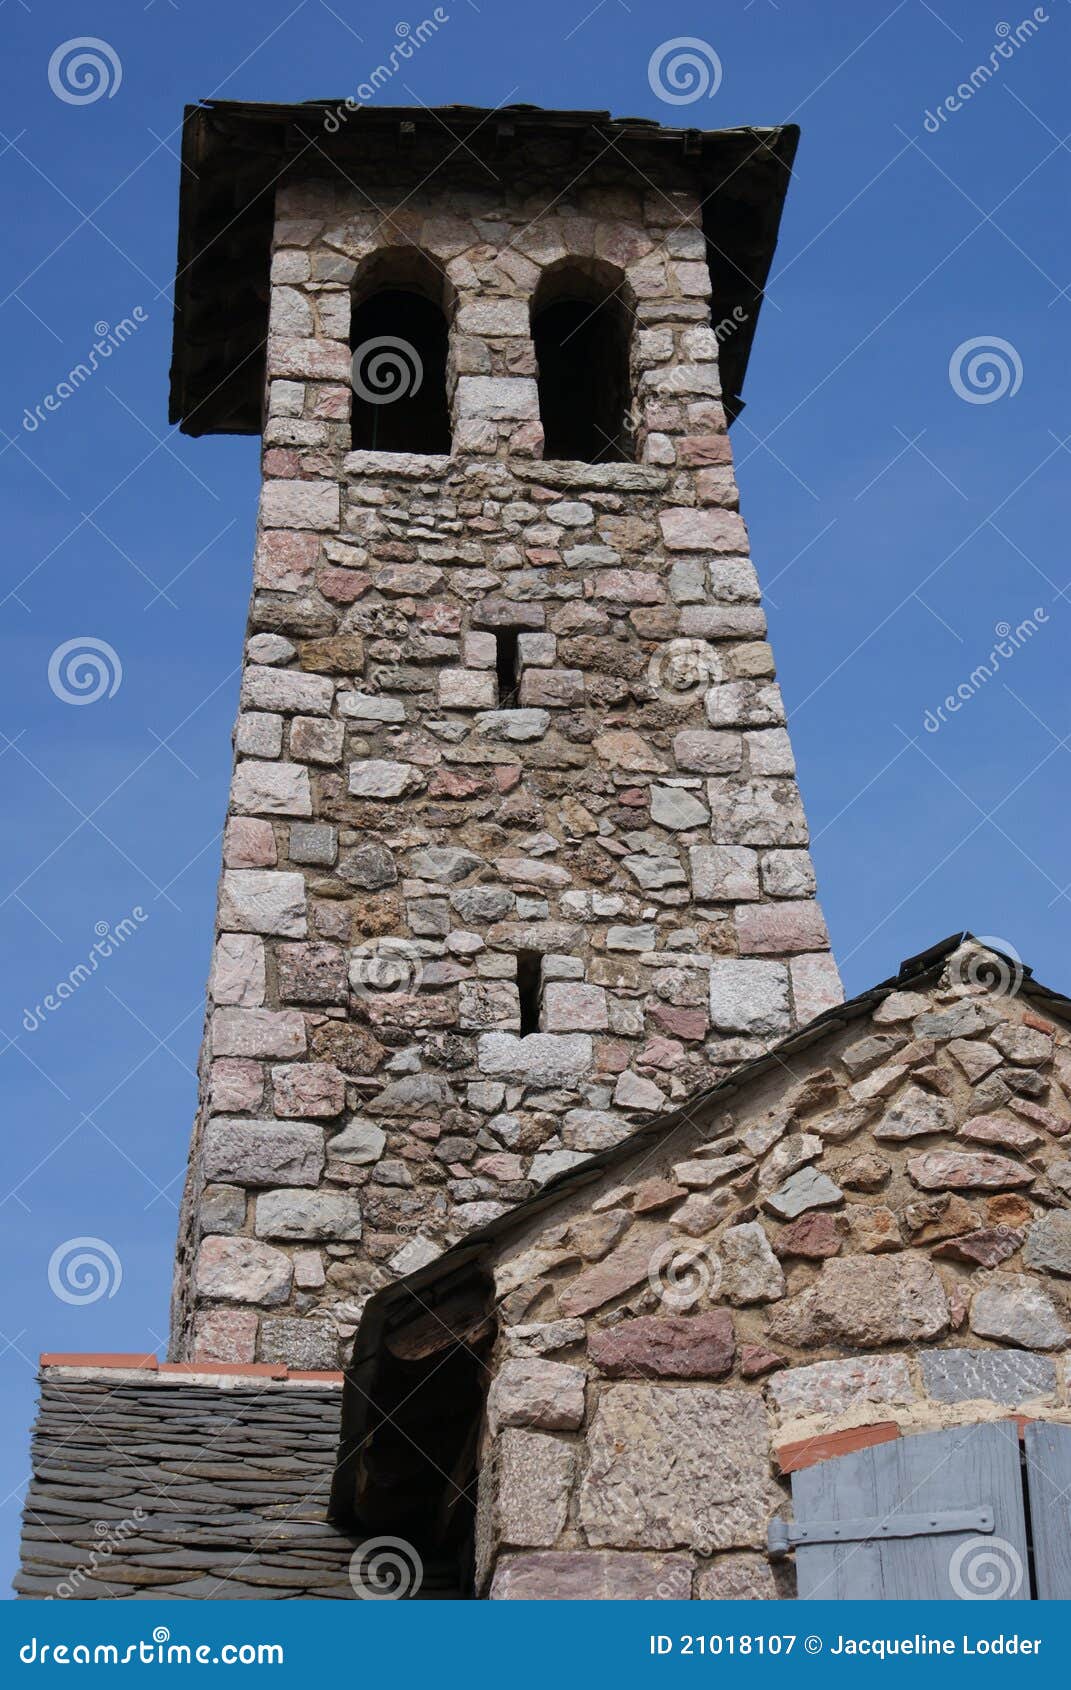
<point x="875" y="1242"/>
<point x="182" y="1485"/>
<point x="394" y="840"/>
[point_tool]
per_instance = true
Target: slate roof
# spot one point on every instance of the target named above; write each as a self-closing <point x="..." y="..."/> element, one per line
<point x="234" y="153"/>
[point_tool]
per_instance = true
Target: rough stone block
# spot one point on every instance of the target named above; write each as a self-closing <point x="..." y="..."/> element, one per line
<point x="249" y="843"/>
<point x="1015" y="1309"/>
<point x="700" y="1346"/>
<point x="241" y="1270"/>
<point x="238" y="970"/>
<point x="316" y="740"/>
<point x="284" y="561"/>
<point x="536" y="1393"/>
<point x="313" y="843"/>
<point x="672" y="1467"/>
<point x="744" y="1578"/>
<point x="581" y="1575"/>
<point x="308" y="1343"/>
<point x="749" y="997"/>
<point x="724" y="873"/>
<point x="271" y="789"/>
<point x="375" y="777"/>
<point x="832" y="1387"/>
<point x="222" y="1209"/>
<point x="313" y="973"/>
<point x="676" y="808"/>
<point x="308" y="1089"/>
<point x="750" y="1272"/>
<point x="1048" y="1243"/>
<point x="571" y="1006"/>
<point x="300" y="504"/>
<point x="859" y="1301"/>
<point x="954" y="1170"/>
<point x="756" y="812"/>
<point x="225" y="1335"/>
<point x="540" y="1059"/>
<point x="235" y="1087"/>
<point x="331" y="1215"/>
<point x="257" y="1032"/>
<point x="778" y="928"/>
<point x="510" y="398"/>
<point x="556" y="689"/>
<point x="629" y="1264"/>
<point x="263" y="1152"/>
<point x="259" y="733"/>
<point x="816" y="985"/>
<point x="1009" y="1377"/>
<point x="263" y="901"/>
<point x="468" y="689"/>
<point x="531" y="1477"/>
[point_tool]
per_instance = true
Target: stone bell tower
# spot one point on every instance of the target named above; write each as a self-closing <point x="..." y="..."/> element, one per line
<point x="514" y="853"/>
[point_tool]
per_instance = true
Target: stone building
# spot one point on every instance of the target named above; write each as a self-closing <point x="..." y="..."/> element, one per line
<point x="528" y="1100"/>
<point x="514" y="853"/>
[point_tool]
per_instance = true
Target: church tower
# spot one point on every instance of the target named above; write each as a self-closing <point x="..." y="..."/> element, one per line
<point x="514" y="853"/>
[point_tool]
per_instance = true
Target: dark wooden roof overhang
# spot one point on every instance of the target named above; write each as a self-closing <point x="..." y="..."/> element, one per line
<point x="235" y="154"/>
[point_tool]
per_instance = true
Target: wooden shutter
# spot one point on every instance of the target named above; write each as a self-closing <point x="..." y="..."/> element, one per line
<point x="935" y="1516"/>
<point x="1048" y="1483"/>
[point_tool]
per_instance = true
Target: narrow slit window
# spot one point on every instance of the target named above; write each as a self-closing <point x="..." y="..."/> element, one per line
<point x="506" y="666"/>
<point x="529" y="984"/>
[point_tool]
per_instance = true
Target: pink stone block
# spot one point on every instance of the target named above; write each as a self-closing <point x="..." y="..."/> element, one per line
<point x="690" y="530"/>
<point x="238" y="970"/>
<point x="323" y="360"/>
<point x="225" y="1335"/>
<point x="304" y="1089"/>
<point x="342" y="586"/>
<point x="258" y="1032"/>
<point x="700" y="449"/>
<point x="773" y="929"/>
<point x="285" y="560"/>
<point x="630" y="586"/>
<point x="236" y="1086"/>
<point x="249" y="843"/>
<point x="816" y="986"/>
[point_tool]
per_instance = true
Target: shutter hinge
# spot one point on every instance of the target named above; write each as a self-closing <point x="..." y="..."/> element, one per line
<point x="783" y="1535"/>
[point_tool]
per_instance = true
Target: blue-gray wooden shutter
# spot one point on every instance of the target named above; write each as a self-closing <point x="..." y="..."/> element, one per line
<point x="1048" y="1480"/>
<point x="936" y="1516"/>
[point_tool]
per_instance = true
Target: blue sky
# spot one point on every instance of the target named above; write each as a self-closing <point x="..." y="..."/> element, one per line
<point x="900" y="513"/>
